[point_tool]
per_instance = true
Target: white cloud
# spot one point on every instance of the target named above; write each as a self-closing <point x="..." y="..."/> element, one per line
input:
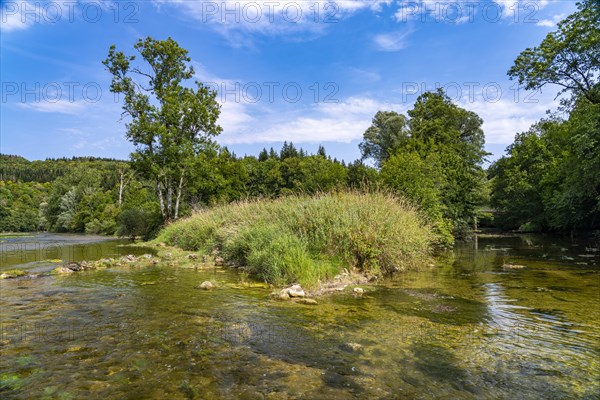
<point x="18" y="15"/>
<point x="61" y="106"/>
<point x="551" y="23"/>
<point x="508" y="116"/>
<point x="237" y="19"/>
<point x="393" y="41"/>
<point x="340" y="122"/>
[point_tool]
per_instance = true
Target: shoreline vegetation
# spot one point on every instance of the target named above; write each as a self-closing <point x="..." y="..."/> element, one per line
<point x="323" y="243"/>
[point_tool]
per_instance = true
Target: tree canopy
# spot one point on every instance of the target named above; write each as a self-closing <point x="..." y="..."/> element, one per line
<point x="170" y="124"/>
<point x="568" y="57"/>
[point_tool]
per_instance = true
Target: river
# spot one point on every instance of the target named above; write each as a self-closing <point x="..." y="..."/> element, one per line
<point x="467" y="328"/>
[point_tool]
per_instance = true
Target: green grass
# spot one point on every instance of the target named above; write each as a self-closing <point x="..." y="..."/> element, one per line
<point x="310" y="239"/>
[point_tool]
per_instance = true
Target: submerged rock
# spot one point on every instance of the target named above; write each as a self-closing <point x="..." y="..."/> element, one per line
<point x="513" y="266"/>
<point x="76" y="267"/>
<point x="308" y="301"/>
<point x="193" y="256"/>
<point x="206" y="285"/>
<point x="351" y="347"/>
<point x="280" y="295"/>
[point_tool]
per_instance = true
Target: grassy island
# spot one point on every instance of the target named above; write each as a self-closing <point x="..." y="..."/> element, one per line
<point x="309" y="239"/>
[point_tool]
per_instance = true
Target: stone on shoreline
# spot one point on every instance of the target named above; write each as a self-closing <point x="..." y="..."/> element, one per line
<point x="294" y="291"/>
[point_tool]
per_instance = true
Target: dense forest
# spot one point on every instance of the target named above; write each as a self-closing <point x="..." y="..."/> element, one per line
<point x="106" y="196"/>
<point x="439" y="170"/>
<point x="549" y="179"/>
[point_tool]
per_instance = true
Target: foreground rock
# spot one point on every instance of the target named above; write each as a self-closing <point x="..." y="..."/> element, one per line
<point x="207" y="285"/>
<point x="219" y="261"/>
<point x="62" y="270"/>
<point x="513" y="266"/>
<point x="294" y="291"/>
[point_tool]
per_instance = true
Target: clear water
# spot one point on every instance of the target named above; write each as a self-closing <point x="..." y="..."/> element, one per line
<point x="466" y="329"/>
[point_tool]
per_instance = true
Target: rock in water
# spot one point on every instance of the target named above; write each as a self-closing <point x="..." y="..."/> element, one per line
<point x="308" y="301"/>
<point x="351" y="347"/>
<point x="206" y="285"/>
<point x="62" y="270"/>
<point x="513" y="266"/>
<point x="358" y="291"/>
<point x="295" y="291"/>
<point x="219" y="262"/>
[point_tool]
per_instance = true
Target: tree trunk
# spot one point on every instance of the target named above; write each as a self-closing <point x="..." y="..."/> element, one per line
<point x="161" y="201"/>
<point x="122" y="184"/>
<point x="121" y="189"/>
<point x="179" y="191"/>
<point x="169" y="198"/>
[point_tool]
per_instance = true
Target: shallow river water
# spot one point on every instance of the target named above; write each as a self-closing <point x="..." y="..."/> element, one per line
<point x="465" y="329"/>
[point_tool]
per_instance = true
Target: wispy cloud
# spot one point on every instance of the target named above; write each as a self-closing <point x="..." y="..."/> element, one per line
<point x="551" y="23"/>
<point x="239" y="20"/>
<point x="392" y="41"/>
<point x="18" y="15"/>
<point x="60" y="106"/>
<point x="340" y="122"/>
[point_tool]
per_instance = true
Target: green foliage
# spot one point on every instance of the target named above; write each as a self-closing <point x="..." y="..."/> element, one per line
<point x="421" y="180"/>
<point x="19" y="206"/>
<point x="170" y="124"/>
<point x="307" y="239"/>
<point x="361" y="176"/>
<point x="388" y="131"/>
<point x="549" y="179"/>
<point x="433" y="158"/>
<point x="139" y="222"/>
<point x="568" y="57"/>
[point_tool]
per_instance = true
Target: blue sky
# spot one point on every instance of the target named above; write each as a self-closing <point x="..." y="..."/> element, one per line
<point x="311" y="72"/>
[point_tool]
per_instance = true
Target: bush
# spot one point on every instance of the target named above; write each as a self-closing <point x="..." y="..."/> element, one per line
<point x="138" y="221"/>
<point x="310" y="239"/>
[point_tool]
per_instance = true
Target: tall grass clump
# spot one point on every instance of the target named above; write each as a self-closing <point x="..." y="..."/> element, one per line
<point x="310" y="239"/>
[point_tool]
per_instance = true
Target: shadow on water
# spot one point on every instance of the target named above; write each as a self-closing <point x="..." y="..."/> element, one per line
<point x="441" y="365"/>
